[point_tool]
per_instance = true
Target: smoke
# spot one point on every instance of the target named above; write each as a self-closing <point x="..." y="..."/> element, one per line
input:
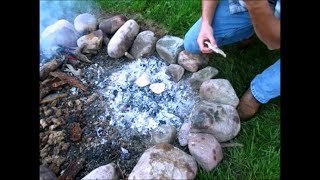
<point x="52" y="11"/>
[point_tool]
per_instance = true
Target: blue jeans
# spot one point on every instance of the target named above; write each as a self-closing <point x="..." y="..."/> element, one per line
<point x="229" y="28"/>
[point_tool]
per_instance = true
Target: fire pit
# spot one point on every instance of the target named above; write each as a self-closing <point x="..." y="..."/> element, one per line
<point x="98" y="110"/>
<point x="118" y="116"/>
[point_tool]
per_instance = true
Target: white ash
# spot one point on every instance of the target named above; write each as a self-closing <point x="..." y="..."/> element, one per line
<point x="138" y="108"/>
<point x="74" y="90"/>
<point x="99" y="131"/>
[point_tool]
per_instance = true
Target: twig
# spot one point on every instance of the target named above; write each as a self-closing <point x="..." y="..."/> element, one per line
<point x="69" y="79"/>
<point x="224" y="145"/>
<point x="52" y="98"/>
<point x="128" y="55"/>
<point x="120" y="170"/>
<point x="45" y="87"/>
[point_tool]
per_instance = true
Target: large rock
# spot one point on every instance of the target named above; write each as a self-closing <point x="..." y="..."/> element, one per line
<point x="93" y="40"/>
<point x="122" y="40"/>
<point x="191" y="62"/>
<point x="202" y="75"/>
<point x="108" y="171"/>
<point x="168" y="48"/>
<point x="164" y="134"/>
<point x="61" y="33"/>
<point x="106" y="40"/>
<point x="164" y="161"/>
<point x="85" y="23"/>
<point x="46" y="173"/>
<point x="220" y="91"/>
<point x="175" y="71"/>
<point x="220" y="120"/>
<point x="205" y="149"/>
<point x="111" y="25"/>
<point x="144" y="45"/>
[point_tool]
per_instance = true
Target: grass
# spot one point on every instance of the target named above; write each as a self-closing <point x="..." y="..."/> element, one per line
<point x="260" y="156"/>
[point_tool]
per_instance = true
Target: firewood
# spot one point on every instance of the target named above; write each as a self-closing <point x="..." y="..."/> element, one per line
<point x="69" y="79"/>
<point x="48" y="67"/>
<point x="78" y="54"/>
<point x="51" y="98"/>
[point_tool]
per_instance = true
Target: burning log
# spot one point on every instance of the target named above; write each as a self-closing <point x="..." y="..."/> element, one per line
<point x="73" y="62"/>
<point x="49" y="67"/>
<point x="69" y="79"/>
<point x="78" y="54"/>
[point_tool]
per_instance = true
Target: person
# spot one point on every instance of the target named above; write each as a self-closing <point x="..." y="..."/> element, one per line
<point x="228" y="21"/>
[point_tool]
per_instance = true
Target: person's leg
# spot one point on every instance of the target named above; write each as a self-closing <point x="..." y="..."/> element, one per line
<point x="263" y="87"/>
<point x="228" y="28"/>
<point x="266" y="86"/>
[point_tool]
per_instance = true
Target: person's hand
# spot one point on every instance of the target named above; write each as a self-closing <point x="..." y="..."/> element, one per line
<point x="206" y="34"/>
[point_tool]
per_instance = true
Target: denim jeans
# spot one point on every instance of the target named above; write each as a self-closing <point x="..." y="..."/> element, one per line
<point x="229" y="28"/>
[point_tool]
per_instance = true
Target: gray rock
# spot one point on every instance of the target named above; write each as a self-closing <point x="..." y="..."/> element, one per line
<point x="220" y="120"/>
<point x="85" y="23"/>
<point x="205" y="149"/>
<point x="108" y="171"/>
<point x="168" y="48"/>
<point x="122" y="40"/>
<point x="106" y="40"/>
<point x="164" y="161"/>
<point x="46" y="173"/>
<point x="111" y="25"/>
<point x="144" y="45"/>
<point x="191" y="62"/>
<point x="202" y="75"/>
<point x="175" y="71"/>
<point x="184" y="133"/>
<point x="93" y="41"/>
<point x="220" y="91"/>
<point x="61" y="33"/>
<point x="164" y="134"/>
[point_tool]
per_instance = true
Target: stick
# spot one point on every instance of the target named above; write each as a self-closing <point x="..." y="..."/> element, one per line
<point x="69" y="79"/>
<point x="45" y="87"/>
<point x="224" y="145"/>
<point x="216" y="50"/>
<point x="49" y="99"/>
<point x="128" y="55"/>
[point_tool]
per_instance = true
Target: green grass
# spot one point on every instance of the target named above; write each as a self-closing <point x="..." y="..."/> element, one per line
<point x="260" y="156"/>
<point x="176" y="15"/>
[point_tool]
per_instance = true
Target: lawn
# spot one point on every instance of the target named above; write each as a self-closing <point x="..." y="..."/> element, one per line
<point x="260" y="156"/>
